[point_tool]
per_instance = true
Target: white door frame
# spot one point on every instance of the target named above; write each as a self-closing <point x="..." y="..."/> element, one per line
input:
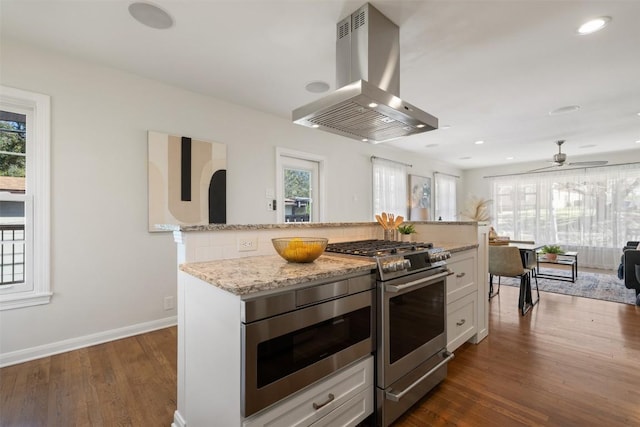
<point x="319" y="193"/>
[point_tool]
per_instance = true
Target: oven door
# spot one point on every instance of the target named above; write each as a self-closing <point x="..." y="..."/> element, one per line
<point x="288" y="352"/>
<point x="412" y="323"/>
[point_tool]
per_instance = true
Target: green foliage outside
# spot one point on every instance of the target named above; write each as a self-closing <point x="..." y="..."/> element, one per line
<point x="12" y="140"/>
<point x="296" y="183"/>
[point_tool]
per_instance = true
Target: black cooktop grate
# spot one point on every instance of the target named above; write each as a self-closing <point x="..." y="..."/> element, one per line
<point x="373" y="248"/>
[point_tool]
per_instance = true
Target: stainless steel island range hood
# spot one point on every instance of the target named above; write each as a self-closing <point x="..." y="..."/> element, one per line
<point x="366" y="106"/>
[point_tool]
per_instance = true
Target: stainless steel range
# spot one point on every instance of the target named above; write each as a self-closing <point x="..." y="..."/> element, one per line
<point x="411" y="355"/>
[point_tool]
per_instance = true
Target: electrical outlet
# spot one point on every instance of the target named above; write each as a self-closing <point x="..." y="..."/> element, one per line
<point x="168" y="303"/>
<point x="247" y="244"/>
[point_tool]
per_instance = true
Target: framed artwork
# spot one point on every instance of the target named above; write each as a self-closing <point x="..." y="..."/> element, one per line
<point x="419" y="198"/>
<point x="187" y="181"/>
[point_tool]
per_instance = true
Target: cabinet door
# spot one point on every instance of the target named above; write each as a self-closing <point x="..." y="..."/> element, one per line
<point x="461" y="321"/>
<point x="463" y="281"/>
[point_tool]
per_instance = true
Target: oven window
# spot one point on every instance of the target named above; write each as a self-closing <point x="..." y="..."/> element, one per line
<point x="289" y="353"/>
<point x="415" y="318"/>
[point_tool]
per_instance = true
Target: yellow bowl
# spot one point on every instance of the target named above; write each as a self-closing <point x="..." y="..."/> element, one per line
<point x="300" y="249"/>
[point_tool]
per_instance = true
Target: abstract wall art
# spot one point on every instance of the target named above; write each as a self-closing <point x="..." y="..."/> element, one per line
<point x="187" y="181"/>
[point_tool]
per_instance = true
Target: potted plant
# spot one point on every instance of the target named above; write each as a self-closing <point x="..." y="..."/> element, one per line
<point x="406" y="230"/>
<point x="551" y="252"/>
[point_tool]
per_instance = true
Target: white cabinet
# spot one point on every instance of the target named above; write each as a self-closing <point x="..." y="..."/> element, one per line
<point x="462" y="298"/>
<point x="461" y="321"/>
<point x="343" y="399"/>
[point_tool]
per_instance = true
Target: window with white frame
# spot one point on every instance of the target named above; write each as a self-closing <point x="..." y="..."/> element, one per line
<point x="594" y="213"/>
<point x="300" y="186"/>
<point x="24" y="198"/>
<point x="389" y="187"/>
<point x="445" y="196"/>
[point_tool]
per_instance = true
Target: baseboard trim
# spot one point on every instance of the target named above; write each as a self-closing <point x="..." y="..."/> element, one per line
<point x="40" y="351"/>
<point x="178" y="421"/>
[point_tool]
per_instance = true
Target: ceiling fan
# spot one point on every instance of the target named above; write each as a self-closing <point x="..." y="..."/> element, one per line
<point x="560" y="159"/>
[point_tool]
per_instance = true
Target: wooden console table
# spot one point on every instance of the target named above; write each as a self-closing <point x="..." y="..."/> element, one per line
<point x="567" y="258"/>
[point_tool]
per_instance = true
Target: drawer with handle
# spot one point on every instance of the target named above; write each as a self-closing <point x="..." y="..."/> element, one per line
<point x="462" y="281"/>
<point x="352" y="386"/>
<point x="461" y="321"/>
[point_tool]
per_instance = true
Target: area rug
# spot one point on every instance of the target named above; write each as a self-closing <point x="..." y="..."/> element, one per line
<point x="605" y="287"/>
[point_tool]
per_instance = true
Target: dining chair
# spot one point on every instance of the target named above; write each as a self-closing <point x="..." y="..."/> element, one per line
<point x="506" y="261"/>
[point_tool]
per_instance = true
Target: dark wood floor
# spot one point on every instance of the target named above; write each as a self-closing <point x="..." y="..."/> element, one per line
<point x="570" y="362"/>
<point x="128" y="382"/>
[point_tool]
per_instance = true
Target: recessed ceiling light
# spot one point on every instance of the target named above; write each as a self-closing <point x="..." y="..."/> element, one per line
<point x="372" y="105"/>
<point x="150" y="15"/>
<point x="465" y="158"/>
<point x="594" y="25"/>
<point x="588" y="146"/>
<point x="510" y="158"/>
<point x="564" y="110"/>
<point x="638" y="141"/>
<point x="365" y="140"/>
<point x="431" y="145"/>
<point x="445" y="127"/>
<point x="479" y="142"/>
<point x="317" y="86"/>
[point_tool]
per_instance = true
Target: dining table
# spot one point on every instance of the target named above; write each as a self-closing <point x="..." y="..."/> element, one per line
<point x="528" y="256"/>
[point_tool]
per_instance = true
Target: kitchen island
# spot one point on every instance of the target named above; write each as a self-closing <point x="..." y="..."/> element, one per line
<point x="220" y="306"/>
<point x="223" y="265"/>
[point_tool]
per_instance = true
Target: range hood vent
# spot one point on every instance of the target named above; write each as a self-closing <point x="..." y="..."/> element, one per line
<point x="367" y="106"/>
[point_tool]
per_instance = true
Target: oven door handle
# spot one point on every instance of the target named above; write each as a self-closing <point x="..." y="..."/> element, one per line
<point x="399" y="288"/>
<point x="395" y="397"/>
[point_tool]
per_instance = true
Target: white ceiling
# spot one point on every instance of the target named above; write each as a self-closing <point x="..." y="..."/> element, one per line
<point x="491" y="69"/>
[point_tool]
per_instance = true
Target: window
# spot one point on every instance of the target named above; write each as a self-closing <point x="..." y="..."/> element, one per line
<point x="445" y="197"/>
<point x="389" y="187"/>
<point x="299" y="183"/>
<point x="594" y="213"/>
<point x="24" y="198"/>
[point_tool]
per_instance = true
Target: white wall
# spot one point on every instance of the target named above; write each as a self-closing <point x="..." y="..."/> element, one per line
<point x="109" y="275"/>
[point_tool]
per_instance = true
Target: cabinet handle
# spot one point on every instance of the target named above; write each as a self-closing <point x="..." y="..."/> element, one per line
<point x="330" y="398"/>
<point x="460" y="275"/>
<point x="460" y="323"/>
<point x="395" y="397"/>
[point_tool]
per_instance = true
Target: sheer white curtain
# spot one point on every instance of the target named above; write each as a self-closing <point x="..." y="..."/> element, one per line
<point x="389" y="187"/>
<point x="593" y="211"/>
<point x="445" y="197"/>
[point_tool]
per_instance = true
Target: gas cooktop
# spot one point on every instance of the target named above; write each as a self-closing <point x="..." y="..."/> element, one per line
<point x="376" y="248"/>
<point x="394" y="259"/>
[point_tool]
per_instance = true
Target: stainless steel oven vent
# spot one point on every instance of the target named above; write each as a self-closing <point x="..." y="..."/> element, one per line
<point x="366" y="106"/>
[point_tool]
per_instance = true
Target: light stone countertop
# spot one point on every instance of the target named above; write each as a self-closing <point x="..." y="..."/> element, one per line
<point x="455" y="247"/>
<point x="291" y="225"/>
<point x="244" y="276"/>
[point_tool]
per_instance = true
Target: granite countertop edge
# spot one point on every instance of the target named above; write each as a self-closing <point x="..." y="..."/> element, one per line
<point x="293" y="225"/>
<point x="249" y="275"/>
<point x="456" y="247"/>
